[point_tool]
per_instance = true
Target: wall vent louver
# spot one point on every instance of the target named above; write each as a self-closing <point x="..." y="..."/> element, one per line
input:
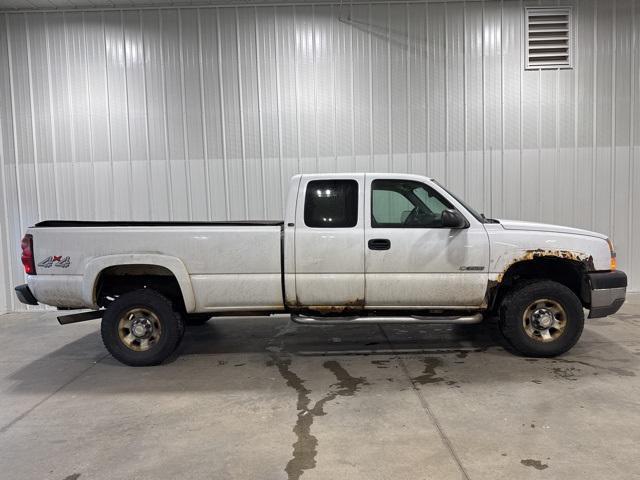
<point x="548" y="38"/>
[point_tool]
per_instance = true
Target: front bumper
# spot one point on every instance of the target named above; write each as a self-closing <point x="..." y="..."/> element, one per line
<point x="608" y="292"/>
<point x="25" y="296"/>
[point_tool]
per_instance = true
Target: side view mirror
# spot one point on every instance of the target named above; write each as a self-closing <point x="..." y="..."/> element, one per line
<point x="453" y="219"/>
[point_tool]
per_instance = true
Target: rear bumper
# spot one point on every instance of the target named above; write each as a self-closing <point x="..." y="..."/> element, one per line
<point x="25" y="296"/>
<point x="608" y="292"/>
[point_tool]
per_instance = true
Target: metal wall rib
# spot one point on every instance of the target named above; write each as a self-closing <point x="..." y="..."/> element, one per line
<point x="204" y="113"/>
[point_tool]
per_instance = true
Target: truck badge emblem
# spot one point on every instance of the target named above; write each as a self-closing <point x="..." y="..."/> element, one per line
<point x="55" y="261"/>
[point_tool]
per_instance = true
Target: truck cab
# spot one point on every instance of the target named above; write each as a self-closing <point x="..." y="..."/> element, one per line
<point x="382" y="241"/>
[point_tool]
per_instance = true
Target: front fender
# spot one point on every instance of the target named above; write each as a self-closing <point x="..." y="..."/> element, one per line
<point x="512" y="246"/>
<point x="95" y="266"/>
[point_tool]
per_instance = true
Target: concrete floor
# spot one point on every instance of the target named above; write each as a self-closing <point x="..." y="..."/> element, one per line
<point x="262" y="398"/>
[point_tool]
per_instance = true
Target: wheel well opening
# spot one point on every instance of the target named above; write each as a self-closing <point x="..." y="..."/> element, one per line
<point x="120" y="279"/>
<point x="570" y="273"/>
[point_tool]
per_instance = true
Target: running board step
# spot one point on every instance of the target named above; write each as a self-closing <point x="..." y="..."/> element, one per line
<point x="434" y="320"/>
<point x="80" y="317"/>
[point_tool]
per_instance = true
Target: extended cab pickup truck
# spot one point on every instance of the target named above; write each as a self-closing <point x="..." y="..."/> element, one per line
<point x="353" y="248"/>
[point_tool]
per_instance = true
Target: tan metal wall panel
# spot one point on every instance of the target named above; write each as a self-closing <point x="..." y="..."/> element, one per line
<point x="204" y="113"/>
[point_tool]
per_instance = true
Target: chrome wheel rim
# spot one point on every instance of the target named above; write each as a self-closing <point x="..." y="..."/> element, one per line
<point x="139" y="329"/>
<point x="544" y="320"/>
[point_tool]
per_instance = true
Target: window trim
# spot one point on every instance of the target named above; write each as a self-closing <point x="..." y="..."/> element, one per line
<point x="445" y="201"/>
<point x="357" y="205"/>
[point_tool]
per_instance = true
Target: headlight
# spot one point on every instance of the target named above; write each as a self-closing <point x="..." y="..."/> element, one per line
<point x="613" y="264"/>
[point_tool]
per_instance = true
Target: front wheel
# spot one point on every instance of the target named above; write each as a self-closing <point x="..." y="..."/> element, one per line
<point x="541" y="318"/>
<point x="141" y="328"/>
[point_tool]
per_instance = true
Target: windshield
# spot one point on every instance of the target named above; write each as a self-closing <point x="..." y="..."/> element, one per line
<point x="478" y="216"/>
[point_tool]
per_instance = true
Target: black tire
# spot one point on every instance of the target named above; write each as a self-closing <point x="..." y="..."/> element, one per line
<point x="196" y="319"/>
<point x="154" y="312"/>
<point x="558" y="305"/>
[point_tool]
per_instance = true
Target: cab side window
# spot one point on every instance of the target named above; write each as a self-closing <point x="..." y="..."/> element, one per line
<point x="390" y="207"/>
<point x="331" y="204"/>
<point x="406" y="204"/>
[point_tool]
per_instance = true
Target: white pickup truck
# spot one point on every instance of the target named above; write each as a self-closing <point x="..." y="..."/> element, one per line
<point x="353" y="248"/>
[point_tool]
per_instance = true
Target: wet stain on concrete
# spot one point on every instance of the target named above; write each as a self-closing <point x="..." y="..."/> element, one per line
<point x="621" y="371"/>
<point x="429" y="373"/>
<point x="537" y="464"/>
<point x="617" y="370"/>
<point x="570" y="373"/>
<point x="305" y="448"/>
<point x="381" y="363"/>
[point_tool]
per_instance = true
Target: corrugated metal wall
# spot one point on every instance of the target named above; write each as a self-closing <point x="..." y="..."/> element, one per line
<point x="205" y="113"/>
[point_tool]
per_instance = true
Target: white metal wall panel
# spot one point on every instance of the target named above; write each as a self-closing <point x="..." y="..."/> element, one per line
<point x="5" y="275"/>
<point x="204" y="113"/>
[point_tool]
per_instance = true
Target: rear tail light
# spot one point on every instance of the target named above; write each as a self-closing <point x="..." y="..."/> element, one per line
<point x="27" y="255"/>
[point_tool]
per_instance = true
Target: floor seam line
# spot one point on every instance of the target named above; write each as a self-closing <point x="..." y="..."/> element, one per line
<point x="56" y="391"/>
<point x="427" y="409"/>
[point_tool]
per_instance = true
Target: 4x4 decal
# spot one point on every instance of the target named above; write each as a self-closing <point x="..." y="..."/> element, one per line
<point x="55" y="261"/>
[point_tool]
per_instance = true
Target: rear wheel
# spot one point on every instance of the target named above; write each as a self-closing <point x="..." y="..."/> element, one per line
<point x="141" y="328"/>
<point x="541" y="318"/>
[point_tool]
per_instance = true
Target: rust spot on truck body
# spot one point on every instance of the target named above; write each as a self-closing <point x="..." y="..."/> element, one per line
<point x="528" y="255"/>
<point x="354" y="306"/>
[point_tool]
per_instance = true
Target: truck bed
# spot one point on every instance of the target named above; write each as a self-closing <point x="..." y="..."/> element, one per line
<point x="224" y="266"/>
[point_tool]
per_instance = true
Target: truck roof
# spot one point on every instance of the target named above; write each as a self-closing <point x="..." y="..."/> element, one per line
<point x="386" y="174"/>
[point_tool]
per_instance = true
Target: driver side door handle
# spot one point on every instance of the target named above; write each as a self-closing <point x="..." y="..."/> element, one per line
<point x="379" y="244"/>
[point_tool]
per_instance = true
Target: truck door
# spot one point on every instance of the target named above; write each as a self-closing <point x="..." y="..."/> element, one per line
<point x="411" y="260"/>
<point x="329" y="241"/>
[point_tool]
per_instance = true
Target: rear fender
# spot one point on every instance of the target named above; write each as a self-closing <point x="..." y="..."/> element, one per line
<point x="95" y="266"/>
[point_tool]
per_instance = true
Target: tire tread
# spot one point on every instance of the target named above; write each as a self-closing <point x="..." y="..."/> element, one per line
<point x="172" y="323"/>
<point x="511" y="315"/>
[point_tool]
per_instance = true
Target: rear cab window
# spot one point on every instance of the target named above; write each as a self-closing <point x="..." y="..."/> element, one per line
<point x="331" y="204"/>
